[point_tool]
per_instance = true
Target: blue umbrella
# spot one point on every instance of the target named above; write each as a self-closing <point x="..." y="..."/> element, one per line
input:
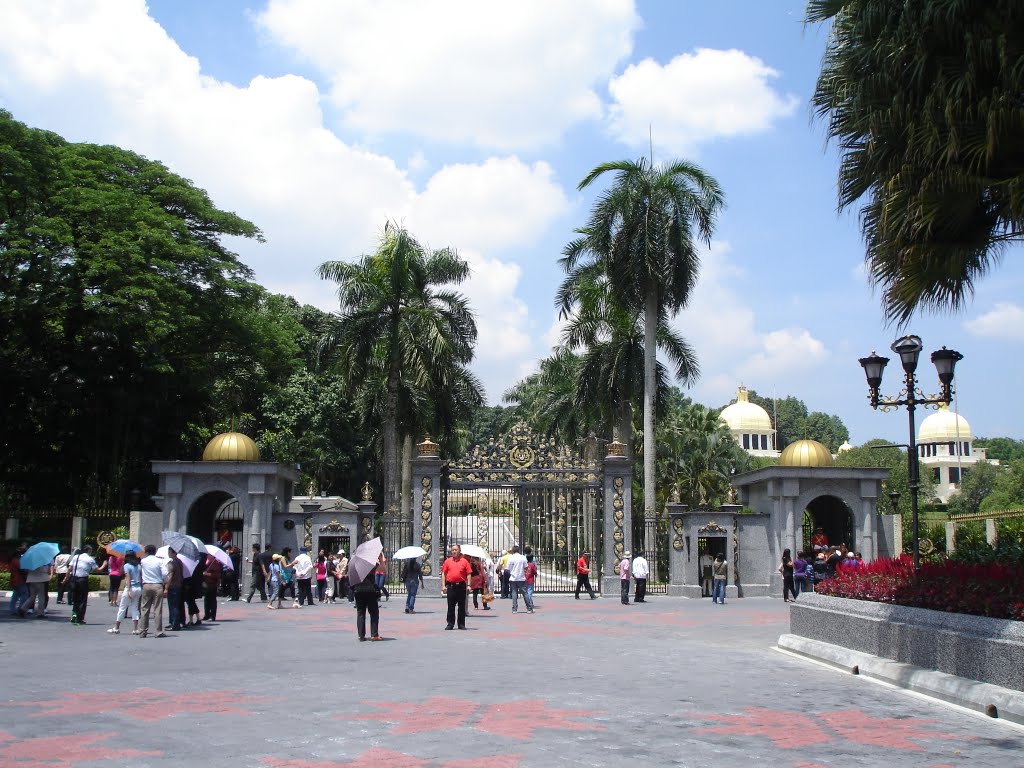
<point x="38" y="555"/>
<point x="122" y="546"/>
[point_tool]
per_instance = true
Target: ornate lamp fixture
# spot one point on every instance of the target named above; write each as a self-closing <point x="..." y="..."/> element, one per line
<point x="909" y="350"/>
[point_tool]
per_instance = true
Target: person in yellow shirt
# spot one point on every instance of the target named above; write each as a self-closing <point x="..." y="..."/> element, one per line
<point x="503" y="574"/>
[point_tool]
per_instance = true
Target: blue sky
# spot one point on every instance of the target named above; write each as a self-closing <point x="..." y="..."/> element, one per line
<point x="473" y="122"/>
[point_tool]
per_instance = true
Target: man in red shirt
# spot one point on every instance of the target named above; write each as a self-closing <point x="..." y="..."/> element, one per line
<point x="583" y="576"/>
<point x="455" y="575"/>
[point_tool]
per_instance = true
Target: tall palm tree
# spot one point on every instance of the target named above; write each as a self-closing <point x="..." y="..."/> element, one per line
<point x="641" y="234"/>
<point x="924" y="101"/>
<point x="611" y="338"/>
<point x="400" y="336"/>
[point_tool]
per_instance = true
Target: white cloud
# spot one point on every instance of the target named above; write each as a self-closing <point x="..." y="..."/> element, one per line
<point x="730" y="346"/>
<point x="1004" y="321"/>
<point x="695" y="98"/>
<point x="263" y="151"/>
<point x="506" y="76"/>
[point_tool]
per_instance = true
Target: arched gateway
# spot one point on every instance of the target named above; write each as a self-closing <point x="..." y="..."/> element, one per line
<point x="780" y="507"/>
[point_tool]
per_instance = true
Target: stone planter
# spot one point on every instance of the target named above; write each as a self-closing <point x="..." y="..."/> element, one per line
<point x="973" y="661"/>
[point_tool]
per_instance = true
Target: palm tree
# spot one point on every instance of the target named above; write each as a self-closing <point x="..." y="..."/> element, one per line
<point x="641" y="235"/>
<point x="612" y="340"/>
<point x="547" y="400"/>
<point x="924" y="100"/>
<point x="702" y="454"/>
<point x="400" y="337"/>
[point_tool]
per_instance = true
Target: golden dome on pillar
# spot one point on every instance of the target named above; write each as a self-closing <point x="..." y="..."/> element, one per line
<point x="806" y="453"/>
<point x="231" y="446"/>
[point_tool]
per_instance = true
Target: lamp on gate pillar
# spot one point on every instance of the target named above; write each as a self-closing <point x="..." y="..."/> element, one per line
<point x="909" y="350"/>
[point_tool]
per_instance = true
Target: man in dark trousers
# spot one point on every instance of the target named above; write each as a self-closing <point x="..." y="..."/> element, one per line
<point x="455" y="575"/>
<point x="583" y="576"/>
<point x="260" y="570"/>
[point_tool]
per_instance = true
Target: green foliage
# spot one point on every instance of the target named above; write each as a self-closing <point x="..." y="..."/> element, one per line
<point x="923" y="100"/>
<point x="402" y="343"/>
<point x="115" y="296"/>
<point x="976" y="484"/>
<point x="972" y="546"/>
<point x="697" y="455"/>
<point x="1004" y="449"/>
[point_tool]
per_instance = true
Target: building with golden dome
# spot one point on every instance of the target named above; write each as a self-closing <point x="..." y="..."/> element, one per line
<point x="945" y="447"/>
<point x="751" y="426"/>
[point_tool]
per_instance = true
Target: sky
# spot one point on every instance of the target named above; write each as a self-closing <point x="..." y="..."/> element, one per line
<point x="473" y="122"/>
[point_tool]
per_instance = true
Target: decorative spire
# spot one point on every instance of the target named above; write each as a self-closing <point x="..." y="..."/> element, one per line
<point x="428" y="447"/>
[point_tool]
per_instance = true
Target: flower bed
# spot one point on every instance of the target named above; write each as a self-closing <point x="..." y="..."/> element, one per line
<point x="994" y="590"/>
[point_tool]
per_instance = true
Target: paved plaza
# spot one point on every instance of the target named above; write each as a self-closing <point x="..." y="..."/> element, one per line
<point x="673" y="682"/>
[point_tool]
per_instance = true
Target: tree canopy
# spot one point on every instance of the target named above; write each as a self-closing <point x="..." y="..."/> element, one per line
<point x="924" y="101"/>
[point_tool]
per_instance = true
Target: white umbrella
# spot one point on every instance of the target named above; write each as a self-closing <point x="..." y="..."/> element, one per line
<point x="408" y="553"/>
<point x="216" y="552"/>
<point x="472" y="550"/>
<point x="364" y="560"/>
<point x="188" y="565"/>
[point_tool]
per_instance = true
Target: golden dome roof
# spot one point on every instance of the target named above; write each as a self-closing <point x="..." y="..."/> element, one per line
<point x="806" y="453"/>
<point x="944" y="426"/>
<point x="745" y="416"/>
<point x="231" y="446"/>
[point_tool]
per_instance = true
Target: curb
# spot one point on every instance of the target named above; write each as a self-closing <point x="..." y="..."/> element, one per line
<point x="991" y="700"/>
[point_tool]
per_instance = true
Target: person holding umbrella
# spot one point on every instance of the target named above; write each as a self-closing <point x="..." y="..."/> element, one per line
<point x="37" y="564"/>
<point x="361" y="568"/>
<point x="412" y="575"/>
<point x="455" y="573"/>
<point x="132" y="594"/>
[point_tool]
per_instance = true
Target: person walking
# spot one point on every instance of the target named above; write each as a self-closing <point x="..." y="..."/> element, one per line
<point x="531" y="579"/>
<point x="60" y="568"/>
<point x="211" y="585"/>
<point x="455" y="573"/>
<point x="719" y="575"/>
<point x="192" y="590"/>
<point x="641" y="570"/>
<point x="366" y="597"/>
<point x="132" y="594"/>
<point x="786" y="569"/>
<point x="36" y="581"/>
<point x="321" y="577"/>
<point x="517" y="579"/>
<point x="344" y="587"/>
<point x="380" y="576"/>
<point x="259" y="573"/>
<point x="503" y="574"/>
<point x="412" y="575"/>
<point x="800" y="573"/>
<point x="583" y="576"/>
<point x="79" y="568"/>
<point x="624" y="568"/>
<point x="304" y="577"/>
<point x="172" y="590"/>
<point x="287" y="576"/>
<point x="274" y="582"/>
<point x="113" y="567"/>
<point x="19" y="590"/>
<point x="154" y="577"/>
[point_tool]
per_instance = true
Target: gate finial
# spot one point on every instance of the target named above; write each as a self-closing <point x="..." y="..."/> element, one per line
<point x="428" y="447"/>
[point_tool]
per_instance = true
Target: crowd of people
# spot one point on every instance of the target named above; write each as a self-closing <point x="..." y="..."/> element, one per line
<point x="810" y="568"/>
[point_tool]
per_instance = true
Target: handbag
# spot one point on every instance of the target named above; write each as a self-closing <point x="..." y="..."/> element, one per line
<point x="487" y="597"/>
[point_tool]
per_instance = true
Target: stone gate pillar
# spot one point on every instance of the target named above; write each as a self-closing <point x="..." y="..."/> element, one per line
<point x="618" y="515"/>
<point x="678" y="554"/>
<point x="426" y="513"/>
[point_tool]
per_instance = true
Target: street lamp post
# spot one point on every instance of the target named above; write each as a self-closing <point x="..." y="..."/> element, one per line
<point x="909" y="350"/>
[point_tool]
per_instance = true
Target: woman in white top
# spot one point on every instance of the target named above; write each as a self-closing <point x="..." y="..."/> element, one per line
<point x="132" y="594"/>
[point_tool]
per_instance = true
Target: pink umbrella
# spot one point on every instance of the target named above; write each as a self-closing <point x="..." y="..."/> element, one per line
<point x="187" y="564"/>
<point x="225" y="559"/>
